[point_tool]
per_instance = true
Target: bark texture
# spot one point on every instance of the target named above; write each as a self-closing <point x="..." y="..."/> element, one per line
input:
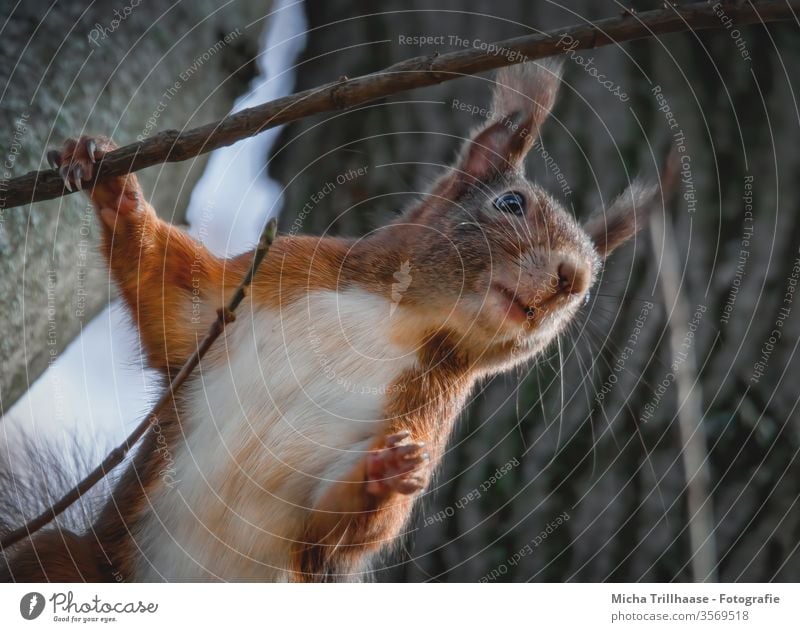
<point x="120" y="70"/>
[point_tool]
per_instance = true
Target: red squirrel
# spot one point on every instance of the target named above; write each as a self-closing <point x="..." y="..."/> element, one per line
<point x="299" y="446"/>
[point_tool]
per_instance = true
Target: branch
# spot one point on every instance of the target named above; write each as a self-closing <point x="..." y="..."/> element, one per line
<point x="694" y="453"/>
<point x="225" y="315"/>
<point x="175" y="146"/>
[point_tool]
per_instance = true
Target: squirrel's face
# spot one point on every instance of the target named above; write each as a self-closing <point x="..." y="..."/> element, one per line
<point x="494" y="258"/>
<point x="502" y="264"/>
<point x="530" y="265"/>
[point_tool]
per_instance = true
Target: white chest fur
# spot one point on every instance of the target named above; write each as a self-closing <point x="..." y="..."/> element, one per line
<point x="297" y="403"/>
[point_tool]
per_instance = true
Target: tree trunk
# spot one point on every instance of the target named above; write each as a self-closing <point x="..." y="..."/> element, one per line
<point x="125" y="71"/>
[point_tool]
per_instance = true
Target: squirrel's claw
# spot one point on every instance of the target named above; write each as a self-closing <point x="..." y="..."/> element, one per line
<point x="54" y="158"/>
<point x="91" y="147"/>
<point x="64" y="173"/>
<point x="393" y="440"/>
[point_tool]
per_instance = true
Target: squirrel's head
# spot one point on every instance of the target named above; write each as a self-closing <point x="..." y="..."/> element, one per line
<point x="491" y="256"/>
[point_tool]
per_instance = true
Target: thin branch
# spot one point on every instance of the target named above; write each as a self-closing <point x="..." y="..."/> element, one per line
<point x="694" y="455"/>
<point x="175" y="146"/>
<point x="225" y="315"/>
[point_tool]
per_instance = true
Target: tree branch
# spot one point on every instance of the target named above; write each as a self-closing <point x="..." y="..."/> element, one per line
<point x="225" y="315"/>
<point x="175" y="146"/>
<point x="689" y="415"/>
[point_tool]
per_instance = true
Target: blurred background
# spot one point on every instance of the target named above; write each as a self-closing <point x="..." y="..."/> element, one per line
<point x="657" y="441"/>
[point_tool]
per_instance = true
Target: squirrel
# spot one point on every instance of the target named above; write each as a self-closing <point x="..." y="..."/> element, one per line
<point x="299" y="446"/>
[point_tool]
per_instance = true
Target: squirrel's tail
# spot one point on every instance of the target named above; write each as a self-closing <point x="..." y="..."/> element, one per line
<point x="91" y="541"/>
<point x="33" y="476"/>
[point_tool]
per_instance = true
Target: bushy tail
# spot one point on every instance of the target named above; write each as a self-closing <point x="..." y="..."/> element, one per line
<point x="89" y="541"/>
<point x="32" y="477"/>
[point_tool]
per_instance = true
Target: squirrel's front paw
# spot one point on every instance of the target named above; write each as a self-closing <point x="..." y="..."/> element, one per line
<point x="402" y="466"/>
<point x="76" y="162"/>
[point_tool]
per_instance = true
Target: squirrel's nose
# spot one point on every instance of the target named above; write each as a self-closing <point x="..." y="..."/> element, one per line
<point x="573" y="277"/>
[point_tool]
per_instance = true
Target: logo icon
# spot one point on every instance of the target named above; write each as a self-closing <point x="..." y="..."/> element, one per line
<point x="31" y="605"/>
<point x="403" y="278"/>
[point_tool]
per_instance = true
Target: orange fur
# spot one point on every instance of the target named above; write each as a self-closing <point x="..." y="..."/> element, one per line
<point x="349" y="523"/>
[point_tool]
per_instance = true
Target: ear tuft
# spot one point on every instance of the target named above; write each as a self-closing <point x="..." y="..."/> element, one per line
<point x="531" y="87"/>
<point x="522" y="99"/>
<point x="629" y="213"/>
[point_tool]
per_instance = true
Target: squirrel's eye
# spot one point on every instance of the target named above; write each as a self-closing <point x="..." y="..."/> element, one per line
<point x="511" y="202"/>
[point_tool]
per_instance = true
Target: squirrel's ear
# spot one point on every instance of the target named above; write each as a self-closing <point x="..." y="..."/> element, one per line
<point x="522" y="100"/>
<point x="615" y="225"/>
